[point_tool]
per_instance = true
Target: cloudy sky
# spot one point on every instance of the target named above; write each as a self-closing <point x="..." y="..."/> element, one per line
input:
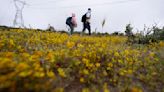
<point x="118" y="13"/>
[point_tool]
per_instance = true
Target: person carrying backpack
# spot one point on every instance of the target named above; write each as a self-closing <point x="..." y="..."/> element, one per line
<point x="71" y="22"/>
<point x="86" y="21"/>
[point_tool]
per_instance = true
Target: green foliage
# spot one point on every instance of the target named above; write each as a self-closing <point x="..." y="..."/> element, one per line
<point x="117" y="34"/>
<point x="151" y="35"/>
<point x="128" y="30"/>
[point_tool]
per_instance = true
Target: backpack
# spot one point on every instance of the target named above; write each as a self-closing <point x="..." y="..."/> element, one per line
<point x="68" y="20"/>
<point x="83" y="19"/>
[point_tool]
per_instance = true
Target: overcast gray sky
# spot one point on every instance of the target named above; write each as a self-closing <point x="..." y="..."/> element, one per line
<point x="118" y="13"/>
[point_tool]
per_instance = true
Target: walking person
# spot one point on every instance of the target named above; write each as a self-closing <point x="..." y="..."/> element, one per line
<point x="71" y="22"/>
<point x="86" y="21"/>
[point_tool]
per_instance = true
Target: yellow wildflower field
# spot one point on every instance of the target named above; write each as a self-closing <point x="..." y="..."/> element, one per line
<point x="32" y="60"/>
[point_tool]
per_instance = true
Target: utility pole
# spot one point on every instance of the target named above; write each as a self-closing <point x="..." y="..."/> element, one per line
<point x="18" y="21"/>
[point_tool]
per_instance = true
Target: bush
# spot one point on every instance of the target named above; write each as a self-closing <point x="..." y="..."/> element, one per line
<point x="151" y="35"/>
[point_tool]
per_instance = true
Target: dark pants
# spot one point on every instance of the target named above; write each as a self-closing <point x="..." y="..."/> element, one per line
<point x="71" y="28"/>
<point x="86" y="25"/>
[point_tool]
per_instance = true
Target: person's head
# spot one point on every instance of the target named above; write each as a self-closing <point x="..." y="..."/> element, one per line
<point x="89" y="9"/>
<point x="73" y="15"/>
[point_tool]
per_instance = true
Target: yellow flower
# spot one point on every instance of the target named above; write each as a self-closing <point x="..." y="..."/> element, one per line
<point x="82" y="80"/>
<point x="26" y="55"/>
<point x="90" y="65"/>
<point x="37" y="67"/>
<point x="86" y="62"/>
<point x="61" y="72"/>
<point x="34" y="57"/>
<point x="58" y="90"/>
<point x="120" y="61"/>
<point x="85" y="71"/>
<point x="22" y="66"/>
<point x="110" y="64"/>
<point x="116" y="54"/>
<point x="105" y="87"/>
<point x="129" y="71"/>
<point x="11" y="42"/>
<point x="127" y="52"/>
<point x="9" y="54"/>
<point x="50" y="74"/>
<point x="50" y="57"/>
<point x="80" y="46"/>
<point x="85" y="90"/>
<point x="152" y="54"/>
<point x="97" y="64"/>
<point x="39" y="53"/>
<point x="122" y="72"/>
<point x="39" y="74"/>
<point x="134" y="89"/>
<point x="161" y="44"/>
<point x="70" y="44"/>
<point x="77" y="63"/>
<point x="25" y="73"/>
